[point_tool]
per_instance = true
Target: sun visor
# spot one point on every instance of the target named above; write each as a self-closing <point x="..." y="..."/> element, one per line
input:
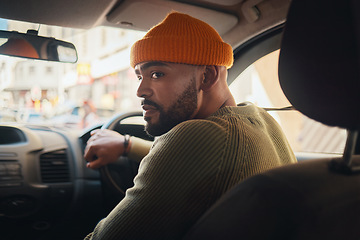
<point x="65" y="13"/>
<point x="319" y="66"/>
<point x="152" y="12"/>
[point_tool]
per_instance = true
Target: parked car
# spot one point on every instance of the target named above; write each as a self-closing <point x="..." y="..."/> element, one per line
<point x="46" y="191"/>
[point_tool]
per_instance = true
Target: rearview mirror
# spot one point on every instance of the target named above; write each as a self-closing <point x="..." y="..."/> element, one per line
<point x="30" y="45"/>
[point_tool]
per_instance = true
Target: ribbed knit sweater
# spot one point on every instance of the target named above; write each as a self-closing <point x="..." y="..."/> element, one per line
<point x="192" y="166"/>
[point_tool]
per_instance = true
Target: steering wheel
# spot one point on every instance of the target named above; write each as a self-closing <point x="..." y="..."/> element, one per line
<point x="117" y="177"/>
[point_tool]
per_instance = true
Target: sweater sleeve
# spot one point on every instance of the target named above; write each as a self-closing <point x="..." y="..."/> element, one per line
<point x="139" y="148"/>
<point x="173" y="188"/>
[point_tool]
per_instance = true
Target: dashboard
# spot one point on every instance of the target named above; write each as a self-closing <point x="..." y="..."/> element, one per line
<point x="45" y="186"/>
<point x="43" y="175"/>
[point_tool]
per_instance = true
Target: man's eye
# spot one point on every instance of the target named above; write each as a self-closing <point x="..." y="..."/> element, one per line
<point x="139" y="78"/>
<point x="156" y="75"/>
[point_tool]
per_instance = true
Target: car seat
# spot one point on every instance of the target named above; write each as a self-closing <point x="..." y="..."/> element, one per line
<point x="319" y="72"/>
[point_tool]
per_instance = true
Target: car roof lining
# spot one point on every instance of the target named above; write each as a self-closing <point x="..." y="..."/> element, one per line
<point x="124" y="16"/>
<point x="76" y="14"/>
<point x="236" y="23"/>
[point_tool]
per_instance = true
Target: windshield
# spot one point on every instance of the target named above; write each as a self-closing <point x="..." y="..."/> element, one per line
<point x="102" y="83"/>
<point x="69" y="95"/>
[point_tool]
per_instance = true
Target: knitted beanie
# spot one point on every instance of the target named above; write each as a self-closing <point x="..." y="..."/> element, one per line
<point x="180" y="38"/>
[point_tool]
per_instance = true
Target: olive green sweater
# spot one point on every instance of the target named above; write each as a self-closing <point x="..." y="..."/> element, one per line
<point x="190" y="167"/>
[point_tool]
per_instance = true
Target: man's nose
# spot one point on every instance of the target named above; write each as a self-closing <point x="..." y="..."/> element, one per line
<point x="144" y="89"/>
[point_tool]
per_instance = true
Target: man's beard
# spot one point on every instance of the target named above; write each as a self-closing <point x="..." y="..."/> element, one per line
<point x="180" y="111"/>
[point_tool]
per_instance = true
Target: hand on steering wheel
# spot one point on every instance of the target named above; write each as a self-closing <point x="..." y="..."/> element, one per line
<point x="106" y="146"/>
<point x="103" y="147"/>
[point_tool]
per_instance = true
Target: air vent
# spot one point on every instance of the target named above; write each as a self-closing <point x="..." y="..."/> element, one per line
<point x="54" y="167"/>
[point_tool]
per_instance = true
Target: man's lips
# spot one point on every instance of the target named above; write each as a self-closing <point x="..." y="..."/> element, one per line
<point x="149" y="110"/>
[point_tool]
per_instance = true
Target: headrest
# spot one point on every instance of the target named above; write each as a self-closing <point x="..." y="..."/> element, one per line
<point x="319" y="64"/>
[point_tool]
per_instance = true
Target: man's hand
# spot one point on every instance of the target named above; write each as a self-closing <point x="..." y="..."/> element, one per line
<point x="103" y="147"/>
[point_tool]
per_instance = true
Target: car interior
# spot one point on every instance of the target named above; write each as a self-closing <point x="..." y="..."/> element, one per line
<point x="48" y="193"/>
<point x="314" y="199"/>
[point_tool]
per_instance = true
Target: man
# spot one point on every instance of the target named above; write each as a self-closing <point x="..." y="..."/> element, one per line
<point x="205" y="144"/>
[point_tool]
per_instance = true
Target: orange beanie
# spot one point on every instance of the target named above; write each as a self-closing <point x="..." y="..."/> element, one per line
<point x="180" y="38"/>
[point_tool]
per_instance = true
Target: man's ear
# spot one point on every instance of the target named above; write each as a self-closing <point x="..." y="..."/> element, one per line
<point x="210" y="77"/>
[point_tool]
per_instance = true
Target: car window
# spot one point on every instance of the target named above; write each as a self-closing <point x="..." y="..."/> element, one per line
<point x="259" y="84"/>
